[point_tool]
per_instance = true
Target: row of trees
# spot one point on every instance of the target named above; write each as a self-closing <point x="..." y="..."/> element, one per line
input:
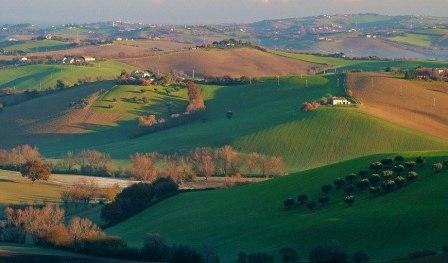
<point x="383" y="177"/>
<point x="84" y="191"/>
<point x="46" y="226"/>
<point x="205" y="162"/>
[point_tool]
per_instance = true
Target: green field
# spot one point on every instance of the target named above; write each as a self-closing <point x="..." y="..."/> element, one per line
<point x="251" y="218"/>
<point x="342" y="64"/>
<point x="36" y="46"/>
<point x="266" y="118"/>
<point x="17" y="190"/>
<point x="43" y="76"/>
<point x="420" y="40"/>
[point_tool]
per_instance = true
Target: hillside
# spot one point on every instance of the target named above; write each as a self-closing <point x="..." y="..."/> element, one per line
<point x="232" y="62"/>
<point x="35" y="46"/>
<point x="29" y="122"/>
<point x="343" y="64"/>
<point x="251" y="218"/>
<point x="267" y="118"/>
<point x="42" y="76"/>
<point x="419" y="105"/>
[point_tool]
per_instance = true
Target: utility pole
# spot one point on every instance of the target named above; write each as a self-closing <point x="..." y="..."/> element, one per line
<point x="306" y="83"/>
<point x="278" y="81"/>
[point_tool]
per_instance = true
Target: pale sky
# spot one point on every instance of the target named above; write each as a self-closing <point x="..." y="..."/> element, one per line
<point x="201" y="11"/>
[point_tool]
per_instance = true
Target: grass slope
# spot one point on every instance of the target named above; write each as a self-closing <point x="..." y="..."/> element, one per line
<point x="37" y="46"/>
<point x="251" y="218"/>
<point x="37" y="77"/>
<point x="266" y="118"/>
<point x="420" y="40"/>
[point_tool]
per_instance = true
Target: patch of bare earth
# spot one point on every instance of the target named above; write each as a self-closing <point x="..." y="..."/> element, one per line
<point x="231" y="62"/>
<point x="419" y="105"/>
<point x="53" y="114"/>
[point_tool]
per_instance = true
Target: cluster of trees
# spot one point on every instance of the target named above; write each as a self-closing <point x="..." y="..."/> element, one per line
<point x="27" y="160"/>
<point x="86" y="162"/>
<point x="84" y="191"/>
<point x="134" y="79"/>
<point x="310" y="105"/>
<point x="195" y="109"/>
<point x="227" y="80"/>
<point x="383" y="177"/>
<point x="318" y="254"/>
<point x="46" y="226"/>
<point x="136" y="198"/>
<point x="205" y="162"/>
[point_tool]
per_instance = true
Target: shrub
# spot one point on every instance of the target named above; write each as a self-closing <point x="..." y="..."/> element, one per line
<point x="420" y="160"/>
<point x="389" y="185"/>
<point x="311" y="205"/>
<point x="387" y="174"/>
<point x="323" y="200"/>
<point x="310" y="106"/>
<point x="375" y="191"/>
<point x="302" y="198"/>
<point x="259" y="258"/>
<point x="400" y="181"/>
<point x="399" y="168"/>
<point x="35" y="170"/>
<point x="323" y="254"/>
<point x="136" y="198"/>
<point x="437" y="167"/>
<point x="399" y="159"/>
<point x="106" y="246"/>
<point x="289" y="255"/>
<point x="326" y="188"/>
<point x="349" y="199"/>
<point x="412" y="176"/>
<point x="155" y="249"/>
<point x="360" y="257"/>
<point x="363" y="173"/>
<point x="229" y="114"/>
<point x="349" y="189"/>
<point x="445" y="163"/>
<point x="387" y="162"/>
<point x="288" y="203"/>
<point x="375" y="179"/>
<point x="410" y="164"/>
<point x="339" y="183"/>
<point x="362" y="184"/>
<point x="376" y="166"/>
<point x="350" y="178"/>
<point x="184" y="254"/>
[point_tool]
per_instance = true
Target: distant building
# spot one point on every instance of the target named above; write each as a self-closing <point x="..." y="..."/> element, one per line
<point x="432" y="74"/>
<point x="88" y="58"/>
<point x="339" y="101"/>
<point x="24" y="59"/>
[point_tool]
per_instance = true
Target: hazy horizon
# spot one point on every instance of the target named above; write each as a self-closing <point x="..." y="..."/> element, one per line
<point x="48" y="12"/>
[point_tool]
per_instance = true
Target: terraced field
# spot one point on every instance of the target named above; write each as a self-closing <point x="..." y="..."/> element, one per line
<point x="251" y="218"/>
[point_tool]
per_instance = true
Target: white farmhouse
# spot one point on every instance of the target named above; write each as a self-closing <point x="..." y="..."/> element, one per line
<point x="339" y="101"/>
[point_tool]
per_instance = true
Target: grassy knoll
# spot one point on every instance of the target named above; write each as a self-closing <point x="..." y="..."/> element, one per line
<point x="37" y="46"/>
<point x="251" y="218"/>
<point x="266" y="118"/>
<point x="37" y="77"/>
<point x="342" y="64"/>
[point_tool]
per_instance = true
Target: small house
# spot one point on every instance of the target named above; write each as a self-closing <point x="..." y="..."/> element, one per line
<point x="339" y="101"/>
<point x="88" y="58"/>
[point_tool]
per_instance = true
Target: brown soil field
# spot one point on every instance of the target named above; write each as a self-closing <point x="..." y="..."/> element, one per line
<point x="52" y="114"/>
<point x="420" y="105"/>
<point x="232" y="62"/>
<point x="362" y="47"/>
<point x="119" y="49"/>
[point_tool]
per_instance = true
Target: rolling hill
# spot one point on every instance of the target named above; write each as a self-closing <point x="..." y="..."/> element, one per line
<point x="419" y="105"/>
<point x="251" y="218"/>
<point x="267" y="118"/>
<point x="43" y="76"/>
<point x="235" y="62"/>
